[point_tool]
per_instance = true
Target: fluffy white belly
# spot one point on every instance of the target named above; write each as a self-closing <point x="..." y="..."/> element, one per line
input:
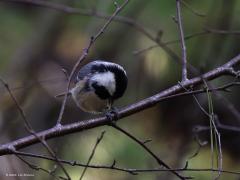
<point x="89" y="101"/>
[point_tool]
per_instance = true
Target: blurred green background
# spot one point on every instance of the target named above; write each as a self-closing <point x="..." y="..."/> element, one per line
<point x="36" y="43"/>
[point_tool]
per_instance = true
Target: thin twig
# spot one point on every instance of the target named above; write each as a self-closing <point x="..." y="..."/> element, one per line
<point x="99" y="139"/>
<point x="30" y="129"/>
<point x="196" y="100"/>
<point x="220" y="31"/>
<point x="159" y="161"/>
<point x="219" y="125"/>
<point x="183" y="46"/>
<point x="212" y="123"/>
<point x="84" y="55"/>
<point x="190" y="36"/>
<point x="205" y="31"/>
<point x="197" y="34"/>
<point x="217" y="136"/>
<point x="200" y="145"/>
<point x="192" y="10"/>
<point x="37" y="168"/>
<point x="132" y="171"/>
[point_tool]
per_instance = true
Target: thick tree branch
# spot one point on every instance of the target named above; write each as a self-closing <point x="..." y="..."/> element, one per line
<point x="226" y="69"/>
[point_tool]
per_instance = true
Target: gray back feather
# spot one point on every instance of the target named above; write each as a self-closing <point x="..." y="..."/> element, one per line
<point x="86" y="70"/>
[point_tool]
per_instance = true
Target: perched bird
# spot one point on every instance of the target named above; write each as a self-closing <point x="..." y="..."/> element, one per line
<point x="98" y="84"/>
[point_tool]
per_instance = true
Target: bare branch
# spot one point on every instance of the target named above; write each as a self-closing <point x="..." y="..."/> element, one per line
<point x="31" y="131"/>
<point x="132" y="171"/>
<point x="188" y="37"/>
<point x="215" y="135"/>
<point x="84" y="55"/>
<point x="200" y="145"/>
<point x="59" y="130"/>
<point x="225" y="69"/>
<point x="137" y="52"/>
<point x="192" y="10"/>
<point x="200" y="128"/>
<point x="99" y="139"/>
<point x="37" y="168"/>
<point x="220" y="31"/>
<point x="183" y="46"/>
<point x="159" y="161"/>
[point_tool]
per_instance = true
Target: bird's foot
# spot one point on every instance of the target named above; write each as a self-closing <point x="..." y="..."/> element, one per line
<point x="112" y="115"/>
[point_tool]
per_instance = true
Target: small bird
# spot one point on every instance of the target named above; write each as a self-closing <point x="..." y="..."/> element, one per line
<point x="98" y="84"/>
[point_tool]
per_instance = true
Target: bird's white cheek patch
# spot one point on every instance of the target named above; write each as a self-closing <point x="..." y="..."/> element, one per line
<point x="107" y="80"/>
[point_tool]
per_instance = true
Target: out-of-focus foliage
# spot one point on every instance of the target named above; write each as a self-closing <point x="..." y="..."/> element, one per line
<point x="36" y="43"/>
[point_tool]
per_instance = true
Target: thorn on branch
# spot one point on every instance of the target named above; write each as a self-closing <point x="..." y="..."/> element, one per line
<point x="227" y="90"/>
<point x="197" y="129"/>
<point x="101" y="136"/>
<point x="147" y="141"/>
<point x="85" y="51"/>
<point x="133" y="173"/>
<point x="189" y="177"/>
<point x="73" y="163"/>
<point x="116" y="5"/>
<point x="203" y="143"/>
<point x="113" y="164"/>
<point x="159" y="35"/>
<point x="175" y="19"/>
<point x="92" y="39"/>
<point x="54" y="169"/>
<point x="65" y="72"/>
<point x="4" y="83"/>
<point x="186" y="165"/>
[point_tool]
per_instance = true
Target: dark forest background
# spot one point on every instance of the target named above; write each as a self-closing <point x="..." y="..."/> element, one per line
<point x="37" y="42"/>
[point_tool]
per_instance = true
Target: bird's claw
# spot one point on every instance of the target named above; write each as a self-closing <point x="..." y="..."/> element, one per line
<point x="112" y="115"/>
